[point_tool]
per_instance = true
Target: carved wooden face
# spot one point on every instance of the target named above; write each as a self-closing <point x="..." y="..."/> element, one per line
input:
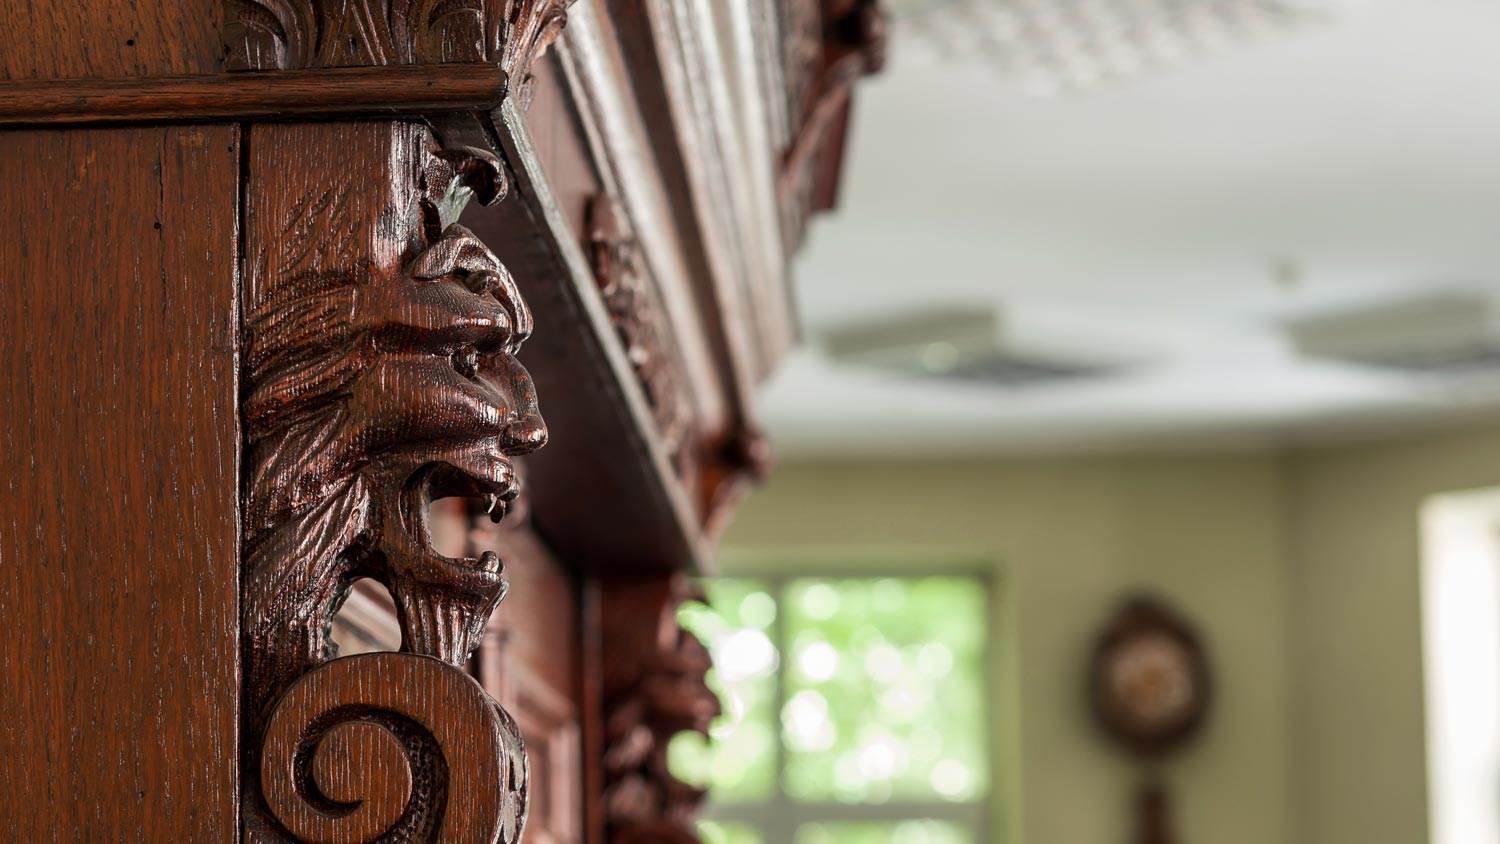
<point x="444" y="403"/>
<point x="375" y="395"/>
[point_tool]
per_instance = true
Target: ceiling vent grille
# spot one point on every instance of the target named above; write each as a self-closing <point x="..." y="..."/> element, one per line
<point x="1444" y="334"/>
<point x="1056" y="46"/>
<point x="970" y="345"/>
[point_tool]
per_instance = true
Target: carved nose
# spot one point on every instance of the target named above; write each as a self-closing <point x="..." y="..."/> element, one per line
<point x="525" y="435"/>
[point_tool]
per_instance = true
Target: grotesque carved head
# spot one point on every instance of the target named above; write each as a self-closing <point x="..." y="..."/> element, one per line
<point x="372" y="391"/>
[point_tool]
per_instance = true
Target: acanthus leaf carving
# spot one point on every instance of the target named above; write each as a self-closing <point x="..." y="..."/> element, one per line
<point x="296" y="34"/>
<point x="380" y="373"/>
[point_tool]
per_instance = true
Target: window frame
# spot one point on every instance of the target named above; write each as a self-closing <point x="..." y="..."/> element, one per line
<point x="779" y="817"/>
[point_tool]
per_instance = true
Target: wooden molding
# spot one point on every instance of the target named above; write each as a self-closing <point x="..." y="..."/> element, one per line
<point x="378" y="373"/>
<point x="406" y="90"/>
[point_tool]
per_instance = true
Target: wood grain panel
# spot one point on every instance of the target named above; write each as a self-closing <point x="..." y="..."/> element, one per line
<point x="45" y="39"/>
<point x="119" y="564"/>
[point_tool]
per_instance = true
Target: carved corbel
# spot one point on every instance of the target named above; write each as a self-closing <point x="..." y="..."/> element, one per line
<point x="830" y="44"/>
<point x="379" y="372"/>
<point x="297" y="34"/>
<point x="654" y="688"/>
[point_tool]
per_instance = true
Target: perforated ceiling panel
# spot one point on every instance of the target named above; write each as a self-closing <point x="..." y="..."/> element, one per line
<point x="1056" y="46"/>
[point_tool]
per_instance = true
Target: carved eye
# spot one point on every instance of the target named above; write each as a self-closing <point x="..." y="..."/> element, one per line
<point x="466" y="361"/>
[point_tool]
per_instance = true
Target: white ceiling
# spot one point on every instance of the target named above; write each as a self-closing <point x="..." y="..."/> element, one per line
<point x="1363" y="150"/>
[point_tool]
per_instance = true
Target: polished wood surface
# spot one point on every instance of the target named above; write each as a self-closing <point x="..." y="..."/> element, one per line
<point x="104" y="39"/>
<point x="119" y="675"/>
<point x="336" y="92"/>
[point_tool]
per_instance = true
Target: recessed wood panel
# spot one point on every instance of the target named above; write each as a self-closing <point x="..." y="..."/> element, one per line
<point x="119" y="566"/>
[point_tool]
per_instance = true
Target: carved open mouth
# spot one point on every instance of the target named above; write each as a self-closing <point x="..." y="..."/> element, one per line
<point x="487" y="483"/>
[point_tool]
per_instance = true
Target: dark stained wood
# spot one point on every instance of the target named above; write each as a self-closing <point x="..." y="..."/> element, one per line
<point x="384" y="91"/>
<point x="380" y="375"/>
<point x="560" y="146"/>
<point x="119" y="678"/>
<point x="203" y="465"/>
<point x="101" y="39"/>
<point x="378" y="732"/>
<point x="290" y="34"/>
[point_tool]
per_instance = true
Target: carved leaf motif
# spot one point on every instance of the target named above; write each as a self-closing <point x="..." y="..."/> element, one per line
<point x="294" y="34"/>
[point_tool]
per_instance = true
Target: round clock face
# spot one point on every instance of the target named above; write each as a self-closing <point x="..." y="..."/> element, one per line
<point x="1150" y="679"/>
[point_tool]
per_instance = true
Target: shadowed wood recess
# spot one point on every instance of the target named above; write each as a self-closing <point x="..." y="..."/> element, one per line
<point x="830" y="44"/>
<point x="379" y="374"/>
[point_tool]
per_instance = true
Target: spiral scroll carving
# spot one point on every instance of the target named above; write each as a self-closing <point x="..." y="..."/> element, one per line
<point x="383" y="747"/>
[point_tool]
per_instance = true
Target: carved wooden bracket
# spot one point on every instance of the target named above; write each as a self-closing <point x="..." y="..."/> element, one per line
<point x="830" y="44"/>
<point x="294" y="34"/>
<point x="654" y="688"/>
<point x="379" y="373"/>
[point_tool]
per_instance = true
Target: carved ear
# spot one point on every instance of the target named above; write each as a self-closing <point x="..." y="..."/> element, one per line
<point x="479" y="170"/>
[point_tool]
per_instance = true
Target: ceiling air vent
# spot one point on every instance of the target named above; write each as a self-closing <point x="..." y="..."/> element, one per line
<point x="974" y="345"/>
<point x="1440" y="334"/>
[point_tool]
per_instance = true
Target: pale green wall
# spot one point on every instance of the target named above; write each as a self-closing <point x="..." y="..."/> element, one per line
<point x="1066" y="540"/>
<point x="1357" y="694"/>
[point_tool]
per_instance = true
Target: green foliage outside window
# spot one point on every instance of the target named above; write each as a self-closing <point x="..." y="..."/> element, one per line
<point x="843" y="692"/>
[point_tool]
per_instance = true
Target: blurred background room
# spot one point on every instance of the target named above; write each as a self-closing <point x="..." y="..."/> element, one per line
<point x="1139" y="475"/>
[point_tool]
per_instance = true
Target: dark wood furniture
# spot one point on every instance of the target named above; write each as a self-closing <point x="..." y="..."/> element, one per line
<point x="272" y="276"/>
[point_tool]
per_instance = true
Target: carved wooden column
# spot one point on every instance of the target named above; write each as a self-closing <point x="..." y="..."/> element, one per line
<point x="379" y="373"/>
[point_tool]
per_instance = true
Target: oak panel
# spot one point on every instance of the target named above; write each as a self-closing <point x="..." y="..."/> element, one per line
<point x="119" y="674"/>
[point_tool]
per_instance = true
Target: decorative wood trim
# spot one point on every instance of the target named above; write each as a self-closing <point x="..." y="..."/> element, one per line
<point x="294" y="34"/>
<point x="329" y="93"/>
<point x="618" y="140"/>
<point x="654" y="688"/>
<point x="379" y="373"/>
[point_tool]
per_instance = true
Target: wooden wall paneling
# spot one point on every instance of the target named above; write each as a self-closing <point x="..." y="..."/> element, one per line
<point x="118" y="509"/>
<point x="379" y="370"/>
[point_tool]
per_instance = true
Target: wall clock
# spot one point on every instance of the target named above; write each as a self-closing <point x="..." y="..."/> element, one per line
<point x="1149" y="689"/>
